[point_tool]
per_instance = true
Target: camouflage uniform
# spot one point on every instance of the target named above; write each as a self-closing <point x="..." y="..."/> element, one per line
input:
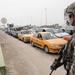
<point x="72" y="47"/>
<point x="67" y="52"/>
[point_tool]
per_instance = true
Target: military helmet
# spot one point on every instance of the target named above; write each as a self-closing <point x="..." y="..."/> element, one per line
<point x="71" y="8"/>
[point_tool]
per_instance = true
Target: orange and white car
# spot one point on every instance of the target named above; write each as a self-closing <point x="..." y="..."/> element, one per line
<point x="47" y="41"/>
<point x="25" y="35"/>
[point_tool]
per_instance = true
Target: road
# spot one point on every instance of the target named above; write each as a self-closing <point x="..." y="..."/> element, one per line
<point x="23" y="59"/>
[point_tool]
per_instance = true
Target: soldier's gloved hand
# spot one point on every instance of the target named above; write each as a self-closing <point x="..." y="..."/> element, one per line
<point x="51" y="67"/>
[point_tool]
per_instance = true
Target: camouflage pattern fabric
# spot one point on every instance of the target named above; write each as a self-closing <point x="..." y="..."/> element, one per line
<point x="71" y="8"/>
<point x="72" y="46"/>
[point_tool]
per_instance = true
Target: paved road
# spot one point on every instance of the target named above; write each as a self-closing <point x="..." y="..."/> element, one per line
<point x="22" y="59"/>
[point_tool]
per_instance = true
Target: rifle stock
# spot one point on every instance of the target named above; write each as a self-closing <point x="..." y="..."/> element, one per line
<point x="53" y="66"/>
<point x="51" y="72"/>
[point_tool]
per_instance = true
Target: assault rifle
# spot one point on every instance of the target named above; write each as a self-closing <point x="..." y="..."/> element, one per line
<point x="55" y="65"/>
<point x="57" y="62"/>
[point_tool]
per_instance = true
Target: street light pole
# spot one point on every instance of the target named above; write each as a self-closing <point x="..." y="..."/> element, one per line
<point x="46" y="15"/>
<point x="31" y="20"/>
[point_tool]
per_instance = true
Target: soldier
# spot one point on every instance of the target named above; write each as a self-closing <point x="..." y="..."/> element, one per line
<point x="67" y="52"/>
<point x="71" y="48"/>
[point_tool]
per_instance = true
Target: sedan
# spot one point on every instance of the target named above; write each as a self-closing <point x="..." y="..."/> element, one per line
<point x="25" y="35"/>
<point x="47" y="41"/>
<point x="58" y="32"/>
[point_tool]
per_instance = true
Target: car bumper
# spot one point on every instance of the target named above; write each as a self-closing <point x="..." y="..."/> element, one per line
<point x="54" y="50"/>
<point x="27" y="40"/>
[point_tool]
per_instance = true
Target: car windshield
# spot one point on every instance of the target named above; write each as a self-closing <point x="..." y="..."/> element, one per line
<point x="39" y="29"/>
<point x="48" y="36"/>
<point x="26" y="32"/>
<point x="32" y="31"/>
<point x="59" y="31"/>
<point x="52" y="30"/>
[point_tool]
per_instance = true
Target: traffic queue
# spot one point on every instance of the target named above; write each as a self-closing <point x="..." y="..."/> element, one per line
<point x="49" y="39"/>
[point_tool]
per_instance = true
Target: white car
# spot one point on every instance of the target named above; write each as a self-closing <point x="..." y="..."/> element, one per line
<point x="57" y="32"/>
<point x="60" y="33"/>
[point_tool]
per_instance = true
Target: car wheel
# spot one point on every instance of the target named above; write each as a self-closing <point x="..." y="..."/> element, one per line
<point x="46" y="49"/>
<point x="23" y="40"/>
<point x="32" y="44"/>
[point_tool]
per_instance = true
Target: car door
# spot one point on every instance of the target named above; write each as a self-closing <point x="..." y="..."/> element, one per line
<point x="20" y="35"/>
<point x="40" y="40"/>
<point x="34" y="39"/>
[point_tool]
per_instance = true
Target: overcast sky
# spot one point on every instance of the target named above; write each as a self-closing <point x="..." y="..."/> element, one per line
<point x="35" y="12"/>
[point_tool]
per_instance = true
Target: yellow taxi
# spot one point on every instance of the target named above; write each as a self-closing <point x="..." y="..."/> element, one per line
<point x="47" y="41"/>
<point x="25" y="35"/>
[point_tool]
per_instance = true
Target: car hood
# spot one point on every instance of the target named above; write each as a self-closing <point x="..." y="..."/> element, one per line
<point x="27" y="35"/>
<point x="57" y="41"/>
<point x="61" y="34"/>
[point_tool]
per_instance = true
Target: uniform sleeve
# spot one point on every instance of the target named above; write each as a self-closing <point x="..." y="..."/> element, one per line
<point x="72" y="71"/>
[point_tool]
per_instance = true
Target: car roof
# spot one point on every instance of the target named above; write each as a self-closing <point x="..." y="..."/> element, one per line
<point x="44" y="32"/>
<point x="24" y="30"/>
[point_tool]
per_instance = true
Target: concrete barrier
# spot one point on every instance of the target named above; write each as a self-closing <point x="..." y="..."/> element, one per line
<point x="2" y="64"/>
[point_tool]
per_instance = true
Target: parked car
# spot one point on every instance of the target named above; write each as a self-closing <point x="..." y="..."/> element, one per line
<point x="25" y="35"/>
<point x="47" y="41"/>
<point x="57" y="32"/>
<point x="60" y="33"/>
<point x="32" y="30"/>
<point x="15" y="33"/>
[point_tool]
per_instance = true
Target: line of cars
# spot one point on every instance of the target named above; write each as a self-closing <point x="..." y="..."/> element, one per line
<point x="48" y="41"/>
<point x="13" y="31"/>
